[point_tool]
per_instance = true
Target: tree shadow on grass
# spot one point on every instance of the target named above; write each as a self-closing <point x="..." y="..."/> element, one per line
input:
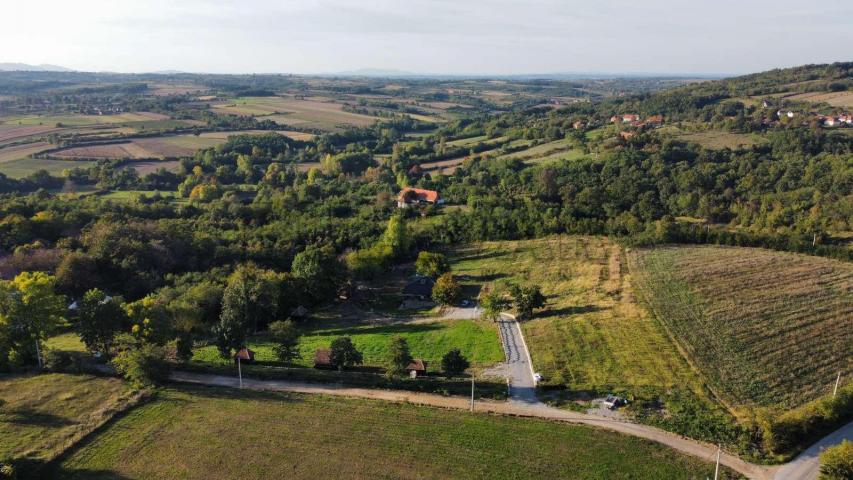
<point x="37" y="469"/>
<point x="394" y="329"/>
<point x="40" y="419"/>
<point x="567" y="311"/>
<point x="231" y="393"/>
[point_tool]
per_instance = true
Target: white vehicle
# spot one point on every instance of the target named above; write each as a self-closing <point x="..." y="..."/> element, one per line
<point x="537" y="377"/>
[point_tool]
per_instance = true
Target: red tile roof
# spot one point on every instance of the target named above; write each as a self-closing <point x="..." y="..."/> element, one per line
<point x="422" y="195"/>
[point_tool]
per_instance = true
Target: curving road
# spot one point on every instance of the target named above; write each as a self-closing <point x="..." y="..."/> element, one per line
<point x="806" y="466"/>
<point x="523" y="402"/>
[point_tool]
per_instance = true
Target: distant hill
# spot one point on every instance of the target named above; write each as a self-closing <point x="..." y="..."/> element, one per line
<point x="23" y="67"/>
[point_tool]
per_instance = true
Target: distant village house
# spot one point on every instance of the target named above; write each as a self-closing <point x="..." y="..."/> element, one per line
<point x="417" y="368"/>
<point x="416" y="196"/>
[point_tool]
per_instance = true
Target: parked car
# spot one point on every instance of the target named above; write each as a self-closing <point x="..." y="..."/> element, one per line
<point x="466" y="304"/>
<point x="537" y="377"/>
<point x="613" y="402"/>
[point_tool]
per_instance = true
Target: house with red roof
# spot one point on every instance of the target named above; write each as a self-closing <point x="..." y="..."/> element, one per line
<point x="416" y="196"/>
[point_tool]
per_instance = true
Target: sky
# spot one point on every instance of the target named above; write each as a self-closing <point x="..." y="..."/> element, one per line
<point x="481" y="37"/>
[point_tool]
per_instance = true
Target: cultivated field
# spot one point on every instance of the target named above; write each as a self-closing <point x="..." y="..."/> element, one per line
<point x="592" y="335"/>
<point x="836" y="99"/>
<point x="477" y="340"/>
<point x="18" y="152"/>
<point x="162" y="147"/>
<point x="44" y="414"/>
<point x="80" y="120"/>
<point x="314" y="112"/>
<point x="26" y="166"/>
<point x="719" y="140"/>
<point x="213" y="433"/>
<point x="764" y="327"/>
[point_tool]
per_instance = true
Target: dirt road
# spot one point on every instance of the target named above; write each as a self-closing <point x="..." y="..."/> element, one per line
<point x="691" y="447"/>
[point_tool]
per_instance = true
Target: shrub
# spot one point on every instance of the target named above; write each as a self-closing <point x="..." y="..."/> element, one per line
<point x="57" y="360"/>
<point x="286" y="337"/>
<point x="145" y="366"/>
<point x="431" y="264"/>
<point x="446" y="290"/>
<point x="836" y="463"/>
<point x="794" y="430"/>
<point x="398" y="357"/>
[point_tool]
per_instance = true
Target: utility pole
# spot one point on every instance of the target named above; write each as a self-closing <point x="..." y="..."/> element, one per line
<point x="837" y="381"/>
<point x="717" y="468"/>
<point x="239" y="371"/>
<point x="472" y="394"/>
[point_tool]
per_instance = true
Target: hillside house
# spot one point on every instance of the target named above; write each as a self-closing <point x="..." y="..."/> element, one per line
<point x="627" y="135"/>
<point x="417" y="368"/>
<point x="420" y="288"/>
<point x="626" y="118"/>
<point x="416" y="196"/>
<point x="654" y="121"/>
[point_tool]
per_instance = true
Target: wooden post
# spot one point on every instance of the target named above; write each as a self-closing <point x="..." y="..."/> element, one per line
<point x="837" y="381"/>
<point x="472" y="394"/>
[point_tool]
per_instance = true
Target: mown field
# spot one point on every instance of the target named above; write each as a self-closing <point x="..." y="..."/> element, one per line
<point x="26" y="166"/>
<point x="313" y="112"/>
<point x="592" y="335"/>
<point x="44" y="414"/>
<point x="764" y="327"/>
<point x="213" y="433"/>
<point x="479" y="341"/>
<point x="716" y="140"/>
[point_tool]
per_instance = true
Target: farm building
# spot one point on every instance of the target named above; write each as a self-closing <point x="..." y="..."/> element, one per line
<point x="417" y="368"/>
<point x="414" y="196"/>
<point x="419" y="288"/>
<point x="323" y="358"/>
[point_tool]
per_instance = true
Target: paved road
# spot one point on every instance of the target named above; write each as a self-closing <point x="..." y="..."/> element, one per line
<point x="807" y="464"/>
<point x="519" y="370"/>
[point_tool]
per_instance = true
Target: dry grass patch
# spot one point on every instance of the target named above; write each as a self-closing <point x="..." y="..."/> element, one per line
<point x="592" y="335"/>
<point x="45" y="414"/>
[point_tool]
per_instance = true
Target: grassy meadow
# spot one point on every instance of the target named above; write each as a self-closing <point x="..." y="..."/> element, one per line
<point x="213" y="433"/>
<point x="479" y="341"/>
<point x="44" y="414"/>
<point x="764" y="327"/>
<point x="592" y="335"/>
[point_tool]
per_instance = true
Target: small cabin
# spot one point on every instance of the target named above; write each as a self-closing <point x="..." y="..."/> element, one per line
<point x="244" y="355"/>
<point x="417" y="368"/>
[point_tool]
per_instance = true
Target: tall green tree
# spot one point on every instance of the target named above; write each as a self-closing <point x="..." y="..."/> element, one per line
<point x="397" y="236"/>
<point x="344" y="354"/>
<point x="29" y="312"/>
<point x="318" y="270"/>
<point x="492" y="303"/>
<point x="526" y="299"/>
<point x="398" y="358"/>
<point x="446" y="290"/>
<point x="286" y="337"/>
<point x="100" y="318"/>
<point x="431" y="264"/>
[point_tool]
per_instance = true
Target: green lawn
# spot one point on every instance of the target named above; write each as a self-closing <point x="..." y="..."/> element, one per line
<point x="67" y="342"/>
<point x="45" y="413"/>
<point x="212" y="433"/>
<point x="477" y="340"/>
<point x="25" y="166"/>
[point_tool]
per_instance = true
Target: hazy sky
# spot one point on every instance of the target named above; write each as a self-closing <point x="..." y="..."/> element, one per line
<point x="427" y="36"/>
